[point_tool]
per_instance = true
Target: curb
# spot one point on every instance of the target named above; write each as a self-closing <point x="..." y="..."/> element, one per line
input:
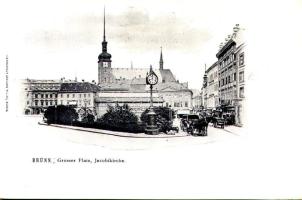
<point x="112" y="133"/>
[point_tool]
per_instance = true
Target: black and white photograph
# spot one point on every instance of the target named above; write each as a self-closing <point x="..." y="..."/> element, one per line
<point x="150" y="99"/>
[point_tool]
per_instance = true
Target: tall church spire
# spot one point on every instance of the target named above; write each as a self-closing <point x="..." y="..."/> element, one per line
<point x="104" y="34"/>
<point x="104" y="56"/>
<point x="161" y="61"/>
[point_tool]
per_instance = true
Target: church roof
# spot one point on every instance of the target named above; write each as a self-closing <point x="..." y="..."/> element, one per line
<point x="79" y="87"/>
<point x="167" y="75"/>
<point x="140" y="73"/>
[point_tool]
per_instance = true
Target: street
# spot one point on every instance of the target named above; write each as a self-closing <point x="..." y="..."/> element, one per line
<point x="48" y="135"/>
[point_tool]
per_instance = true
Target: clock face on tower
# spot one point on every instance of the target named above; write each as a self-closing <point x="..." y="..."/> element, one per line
<point x="105" y="64"/>
<point x="152" y="79"/>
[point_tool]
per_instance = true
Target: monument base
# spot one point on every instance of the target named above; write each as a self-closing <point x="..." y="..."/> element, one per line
<point x="151" y="130"/>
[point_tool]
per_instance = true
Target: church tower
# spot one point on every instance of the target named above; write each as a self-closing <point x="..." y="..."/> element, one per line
<point x="104" y="60"/>
<point x="161" y="61"/>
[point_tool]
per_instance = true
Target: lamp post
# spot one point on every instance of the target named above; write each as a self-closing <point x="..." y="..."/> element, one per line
<point x="151" y="128"/>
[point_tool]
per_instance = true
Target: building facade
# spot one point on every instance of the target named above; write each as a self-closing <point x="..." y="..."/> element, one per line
<point x="39" y="94"/>
<point x="212" y="99"/>
<point x="137" y="101"/>
<point x="231" y="66"/>
<point x="80" y="95"/>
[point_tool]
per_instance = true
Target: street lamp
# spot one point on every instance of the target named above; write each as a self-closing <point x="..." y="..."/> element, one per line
<point x="151" y="128"/>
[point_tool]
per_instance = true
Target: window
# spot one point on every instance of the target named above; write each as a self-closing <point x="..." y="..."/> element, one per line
<point x="27" y="102"/>
<point x="36" y="95"/>
<point x="50" y="103"/>
<point x="46" y="95"/>
<point x="42" y="95"/>
<point x="72" y="95"/>
<point x="186" y="104"/>
<point x="67" y="95"/>
<point x="167" y="104"/>
<point x="84" y="95"/>
<point x="241" y="92"/>
<point x="50" y="95"/>
<point x="229" y="79"/>
<point x="55" y="102"/>
<point x="61" y="102"/>
<point x="241" y="76"/>
<point x="42" y="102"/>
<point x="61" y="95"/>
<point x="36" y="102"/>
<point x="241" y="59"/>
<point x="235" y="76"/>
<point x="56" y="96"/>
<point x="88" y="95"/>
<point x="80" y="95"/>
<point x="46" y="103"/>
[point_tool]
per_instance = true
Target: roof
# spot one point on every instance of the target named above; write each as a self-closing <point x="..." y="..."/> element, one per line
<point x="167" y="75"/>
<point x="171" y="86"/>
<point x="79" y="87"/>
<point x="225" y="47"/>
<point x="139" y="74"/>
<point x="212" y="66"/>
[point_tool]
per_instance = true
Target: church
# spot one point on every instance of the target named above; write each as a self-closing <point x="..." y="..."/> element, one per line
<point x="128" y="85"/>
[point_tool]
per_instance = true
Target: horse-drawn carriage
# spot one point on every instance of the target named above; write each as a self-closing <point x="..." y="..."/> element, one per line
<point x="217" y="121"/>
<point x="195" y="125"/>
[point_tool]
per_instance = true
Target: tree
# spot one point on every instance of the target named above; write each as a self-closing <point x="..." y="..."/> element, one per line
<point x="61" y="114"/>
<point x="120" y="118"/>
<point x="89" y="119"/>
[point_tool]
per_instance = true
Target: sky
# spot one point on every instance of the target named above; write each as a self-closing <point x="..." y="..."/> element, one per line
<point x="54" y="39"/>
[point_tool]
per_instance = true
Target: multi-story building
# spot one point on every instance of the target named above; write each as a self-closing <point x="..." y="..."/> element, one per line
<point x="212" y="87"/>
<point x="138" y="101"/>
<point x="80" y="95"/>
<point x="204" y="89"/>
<point x="231" y="74"/>
<point x="197" y="101"/>
<point x="39" y="94"/>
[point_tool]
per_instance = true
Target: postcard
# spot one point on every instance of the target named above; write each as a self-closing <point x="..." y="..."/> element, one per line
<point x="150" y="99"/>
